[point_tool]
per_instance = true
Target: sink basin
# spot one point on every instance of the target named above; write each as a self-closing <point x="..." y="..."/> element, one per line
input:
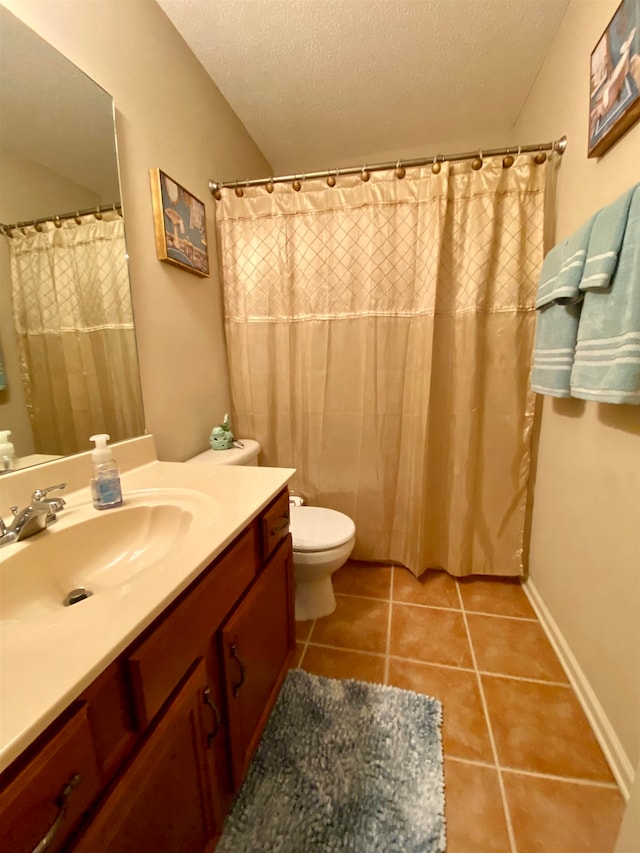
<point x="102" y="551"/>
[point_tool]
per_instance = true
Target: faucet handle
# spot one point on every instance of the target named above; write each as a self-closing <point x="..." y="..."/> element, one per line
<point x="40" y="494"/>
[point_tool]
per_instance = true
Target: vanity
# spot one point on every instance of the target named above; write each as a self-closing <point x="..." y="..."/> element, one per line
<point x="129" y="719"/>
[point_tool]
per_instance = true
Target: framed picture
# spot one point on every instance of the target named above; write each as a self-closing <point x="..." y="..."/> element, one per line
<point x="179" y="219"/>
<point x="615" y="79"/>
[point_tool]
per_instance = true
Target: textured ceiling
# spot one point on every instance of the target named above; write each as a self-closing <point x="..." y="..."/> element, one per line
<point x="325" y="83"/>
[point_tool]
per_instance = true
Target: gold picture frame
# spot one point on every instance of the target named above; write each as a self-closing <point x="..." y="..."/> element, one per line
<point x="180" y="225"/>
<point x="614" y="89"/>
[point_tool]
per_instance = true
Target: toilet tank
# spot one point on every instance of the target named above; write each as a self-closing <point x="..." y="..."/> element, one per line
<point x="246" y="455"/>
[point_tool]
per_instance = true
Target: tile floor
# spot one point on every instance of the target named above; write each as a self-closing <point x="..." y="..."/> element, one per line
<point x="523" y="770"/>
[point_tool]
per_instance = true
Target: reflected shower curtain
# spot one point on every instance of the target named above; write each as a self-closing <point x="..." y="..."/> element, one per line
<point x="379" y="337"/>
<point x="74" y="325"/>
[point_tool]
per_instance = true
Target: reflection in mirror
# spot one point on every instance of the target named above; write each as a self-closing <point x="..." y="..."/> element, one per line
<point x="68" y="364"/>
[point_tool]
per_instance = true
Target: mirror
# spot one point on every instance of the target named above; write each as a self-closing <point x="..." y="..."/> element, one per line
<point x="68" y="360"/>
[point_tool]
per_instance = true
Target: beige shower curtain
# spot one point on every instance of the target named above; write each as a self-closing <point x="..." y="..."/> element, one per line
<point x="74" y="325"/>
<point x="379" y="336"/>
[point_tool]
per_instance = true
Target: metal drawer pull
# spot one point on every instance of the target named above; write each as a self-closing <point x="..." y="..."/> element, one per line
<point x="234" y="655"/>
<point x="61" y="803"/>
<point x="216" y="715"/>
<point x="280" y="527"/>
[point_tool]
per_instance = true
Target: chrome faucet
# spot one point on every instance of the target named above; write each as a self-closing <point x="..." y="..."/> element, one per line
<point x="40" y="513"/>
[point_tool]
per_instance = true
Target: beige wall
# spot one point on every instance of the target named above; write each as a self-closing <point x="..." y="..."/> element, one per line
<point x="585" y="533"/>
<point x="169" y="114"/>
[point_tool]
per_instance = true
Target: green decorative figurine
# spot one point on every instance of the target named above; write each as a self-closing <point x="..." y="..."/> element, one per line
<point x="221" y="437"/>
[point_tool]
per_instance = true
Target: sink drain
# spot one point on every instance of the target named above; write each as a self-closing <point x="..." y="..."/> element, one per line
<point x="77" y="595"/>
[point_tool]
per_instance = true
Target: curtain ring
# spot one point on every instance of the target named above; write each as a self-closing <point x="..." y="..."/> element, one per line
<point x="400" y="171"/>
<point x="57" y="222"/>
<point x="436" y="166"/>
<point x="296" y="185"/>
<point x="77" y="218"/>
<point x="98" y="214"/>
<point x="6" y="231"/>
<point x="269" y="186"/>
<point x="539" y="157"/>
<point x="331" y="180"/>
<point x="507" y="161"/>
<point x="238" y="190"/>
<point x="365" y="174"/>
<point x="38" y="227"/>
<point x="476" y="163"/>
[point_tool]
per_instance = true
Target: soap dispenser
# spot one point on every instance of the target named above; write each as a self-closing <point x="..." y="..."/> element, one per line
<point x="8" y="459"/>
<point x="106" y="490"/>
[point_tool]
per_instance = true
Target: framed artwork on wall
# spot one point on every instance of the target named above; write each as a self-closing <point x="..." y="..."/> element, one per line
<point x="180" y="225"/>
<point x="614" y="94"/>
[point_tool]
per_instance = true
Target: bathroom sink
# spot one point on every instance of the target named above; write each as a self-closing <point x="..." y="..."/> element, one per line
<point x="103" y="552"/>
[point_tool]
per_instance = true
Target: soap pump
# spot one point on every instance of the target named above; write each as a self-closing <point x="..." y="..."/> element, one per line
<point x="7" y="452"/>
<point x="106" y="490"/>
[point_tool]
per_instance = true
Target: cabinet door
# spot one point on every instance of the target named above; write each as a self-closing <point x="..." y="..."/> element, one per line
<point x="162" y="801"/>
<point x="45" y="801"/>
<point x="257" y="645"/>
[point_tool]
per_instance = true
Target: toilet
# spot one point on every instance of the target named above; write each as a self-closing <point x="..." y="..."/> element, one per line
<point x="323" y="539"/>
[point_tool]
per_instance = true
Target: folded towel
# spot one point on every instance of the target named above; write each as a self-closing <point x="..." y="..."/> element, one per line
<point x="563" y="268"/>
<point x="556" y="332"/>
<point x="559" y="302"/>
<point x="605" y="242"/>
<point x="607" y="358"/>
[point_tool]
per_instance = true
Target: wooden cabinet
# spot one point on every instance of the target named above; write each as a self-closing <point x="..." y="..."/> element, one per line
<point x="162" y="801"/>
<point x="163" y="738"/>
<point x="256" y="640"/>
<point x="48" y="796"/>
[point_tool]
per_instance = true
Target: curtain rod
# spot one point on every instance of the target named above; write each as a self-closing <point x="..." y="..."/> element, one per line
<point x="57" y="219"/>
<point x="559" y="146"/>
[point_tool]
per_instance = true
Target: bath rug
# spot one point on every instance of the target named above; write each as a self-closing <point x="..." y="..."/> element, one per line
<point x="343" y="766"/>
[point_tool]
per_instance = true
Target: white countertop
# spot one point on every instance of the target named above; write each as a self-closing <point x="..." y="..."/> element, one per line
<point x="43" y="667"/>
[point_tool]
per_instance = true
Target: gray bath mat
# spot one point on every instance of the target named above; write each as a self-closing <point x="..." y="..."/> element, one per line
<point x="343" y="766"/>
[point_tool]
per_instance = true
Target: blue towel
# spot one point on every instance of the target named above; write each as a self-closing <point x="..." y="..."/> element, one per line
<point x="605" y="243"/>
<point x="559" y="302"/>
<point x="607" y="359"/>
<point x="563" y="267"/>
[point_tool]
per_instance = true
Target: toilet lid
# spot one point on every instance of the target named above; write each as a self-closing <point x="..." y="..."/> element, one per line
<point x="315" y="528"/>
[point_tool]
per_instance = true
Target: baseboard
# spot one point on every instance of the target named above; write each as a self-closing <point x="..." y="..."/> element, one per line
<point x="620" y="765"/>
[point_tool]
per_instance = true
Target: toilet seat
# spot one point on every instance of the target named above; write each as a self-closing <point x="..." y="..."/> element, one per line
<point x="315" y="528"/>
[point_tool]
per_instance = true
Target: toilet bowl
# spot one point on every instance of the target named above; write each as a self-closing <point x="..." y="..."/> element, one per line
<point x="323" y="539"/>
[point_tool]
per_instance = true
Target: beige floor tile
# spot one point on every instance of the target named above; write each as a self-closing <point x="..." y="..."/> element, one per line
<point x="429" y="635"/>
<point x="356" y="623"/>
<point x="303" y="629"/>
<point x="435" y="588"/>
<point x="340" y="663"/>
<point x="542" y="728"/>
<point x="513" y="647"/>
<point x="474" y="813"/>
<point x="464" y="730"/>
<point x="563" y="817"/>
<point x="503" y="596"/>
<point x="360" y="578"/>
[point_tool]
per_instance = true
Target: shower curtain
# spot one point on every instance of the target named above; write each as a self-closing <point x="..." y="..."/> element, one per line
<point x="74" y="326"/>
<point x="379" y="335"/>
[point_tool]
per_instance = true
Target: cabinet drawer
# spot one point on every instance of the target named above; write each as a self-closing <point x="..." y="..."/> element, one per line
<point x="51" y="792"/>
<point x="160" y="661"/>
<point x="275" y="524"/>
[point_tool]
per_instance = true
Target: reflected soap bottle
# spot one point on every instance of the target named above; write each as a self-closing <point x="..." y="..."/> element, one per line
<point x="8" y="458"/>
<point x="106" y="490"/>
